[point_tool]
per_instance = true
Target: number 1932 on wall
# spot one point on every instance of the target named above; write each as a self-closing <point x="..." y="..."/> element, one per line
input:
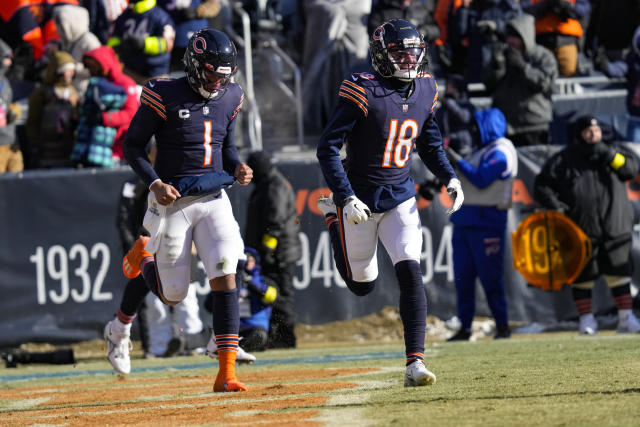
<point x="68" y="268"/>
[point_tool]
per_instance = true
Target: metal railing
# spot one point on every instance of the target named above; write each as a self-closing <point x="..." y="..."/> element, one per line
<point x="294" y="95"/>
<point x="563" y="85"/>
<point x="254" y="122"/>
<point x="573" y="85"/>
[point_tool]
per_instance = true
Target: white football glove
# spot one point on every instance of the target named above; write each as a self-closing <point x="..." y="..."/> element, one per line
<point x="455" y="192"/>
<point x="355" y="210"/>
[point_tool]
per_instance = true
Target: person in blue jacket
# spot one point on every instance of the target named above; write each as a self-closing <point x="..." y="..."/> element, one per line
<point x="479" y="226"/>
<point x="256" y="297"/>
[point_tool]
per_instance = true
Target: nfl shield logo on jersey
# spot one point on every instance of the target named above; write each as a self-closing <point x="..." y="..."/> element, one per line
<point x="405" y="108"/>
<point x="205" y="110"/>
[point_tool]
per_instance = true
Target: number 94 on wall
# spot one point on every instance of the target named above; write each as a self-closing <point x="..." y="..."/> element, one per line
<point x="67" y="273"/>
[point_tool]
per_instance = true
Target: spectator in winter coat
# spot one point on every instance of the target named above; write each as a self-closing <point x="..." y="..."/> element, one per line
<point x="72" y="24"/>
<point x="443" y="13"/>
<point x="143" y="36"/>
<point x="480" y="224"/>
<point x="520" y="80"/>
<point x="30" y="23"/>
<point x="633" y="89"/>
<point x="10" y="155"/>
<point x="418" y="12"/>
<point x="455" y="116"/>
<point x="103" y="62"/>
<point x="558" y="29"/>
<point x="94" y="139"/>
<point x="102" y="14"/>
<point x="188" y="16"/>
<point x="53" y="115"/>
<point x="586" y="182"/>
<point x="474" y="29"/>
<point x="272" y="228"/>
<point x="611" y="26"/>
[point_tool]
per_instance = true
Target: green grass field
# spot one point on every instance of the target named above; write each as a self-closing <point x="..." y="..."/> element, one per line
<point x="529" y="380"/>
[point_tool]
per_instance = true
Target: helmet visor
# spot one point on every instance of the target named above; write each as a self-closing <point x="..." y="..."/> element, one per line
<point x="213" y="80"/>
<point x="406" y="59"/>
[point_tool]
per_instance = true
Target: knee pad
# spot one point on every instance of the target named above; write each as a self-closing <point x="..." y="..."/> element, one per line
<point x="173" y="245"/>
<point x="174" y="293"/>
<point x="360" y="288"/>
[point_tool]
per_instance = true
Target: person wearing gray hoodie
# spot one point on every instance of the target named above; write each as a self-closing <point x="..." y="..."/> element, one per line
<point x="520" y="80"/>
<point x="10" y="154"/>
<point x="72" y="25"/>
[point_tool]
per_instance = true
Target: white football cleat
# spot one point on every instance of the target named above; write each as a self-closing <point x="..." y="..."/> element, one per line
<point x="118" y="346"/>
<point x="418" y="375"/>
<point x="242" y="357"/>
<point x="588" y="324"/>
<point x="327" y="206"/>
<point x="628" y="324"/>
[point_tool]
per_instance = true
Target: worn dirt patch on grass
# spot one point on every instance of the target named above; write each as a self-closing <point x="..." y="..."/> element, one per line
<point x="274" y="397"/>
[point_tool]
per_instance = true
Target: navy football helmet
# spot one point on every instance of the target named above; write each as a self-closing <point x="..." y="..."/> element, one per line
<point x="210" y="61"/>
<point x="398" y="50"/>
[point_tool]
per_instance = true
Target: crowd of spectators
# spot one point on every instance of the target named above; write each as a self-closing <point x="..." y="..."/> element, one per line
<point x="83" y="59"/>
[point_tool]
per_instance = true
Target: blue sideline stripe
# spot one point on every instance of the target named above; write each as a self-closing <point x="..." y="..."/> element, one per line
<point x="315" y="359"/>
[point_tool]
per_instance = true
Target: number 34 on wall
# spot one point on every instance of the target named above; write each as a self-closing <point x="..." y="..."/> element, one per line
<point x="56" y="266"/>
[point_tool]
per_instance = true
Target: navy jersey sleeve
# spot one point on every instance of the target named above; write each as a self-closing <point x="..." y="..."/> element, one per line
<point x="429" y="146"/>
<point x="142" y="127"/>
<point x="230" y="158"/>
<point x="342" y="121"/>
<point x="152" y="99"/>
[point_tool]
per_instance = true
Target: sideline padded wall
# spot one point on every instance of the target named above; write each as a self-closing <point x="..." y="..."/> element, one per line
<point x="60" y="256"/>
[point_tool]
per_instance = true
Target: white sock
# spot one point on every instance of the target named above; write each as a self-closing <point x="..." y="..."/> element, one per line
<point x="121" y="328"/>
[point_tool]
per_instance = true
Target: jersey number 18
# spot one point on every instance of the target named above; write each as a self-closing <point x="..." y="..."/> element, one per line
<point x="399" y="150"/>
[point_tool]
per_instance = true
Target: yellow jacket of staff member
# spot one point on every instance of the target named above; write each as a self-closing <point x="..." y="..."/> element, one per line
<point x="552" y="23"/>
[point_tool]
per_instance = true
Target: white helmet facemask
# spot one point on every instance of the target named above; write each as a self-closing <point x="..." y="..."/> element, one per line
<point x="406" y="62"/>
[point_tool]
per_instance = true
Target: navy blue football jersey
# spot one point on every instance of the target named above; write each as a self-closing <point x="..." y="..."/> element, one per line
<point x="194" y="136"/>
<point x="381" y="129"/>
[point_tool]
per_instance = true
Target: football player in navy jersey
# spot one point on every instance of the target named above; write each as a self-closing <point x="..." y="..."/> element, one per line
<point x="192" y="119"/>
<point x="380" y="117"/>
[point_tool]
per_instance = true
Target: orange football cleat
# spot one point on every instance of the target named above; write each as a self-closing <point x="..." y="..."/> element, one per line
<point x="133" y="258"/>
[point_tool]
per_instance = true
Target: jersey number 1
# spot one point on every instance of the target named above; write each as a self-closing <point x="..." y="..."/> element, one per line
<point x="401" y="150"/>
<point x="207" y="143"/>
